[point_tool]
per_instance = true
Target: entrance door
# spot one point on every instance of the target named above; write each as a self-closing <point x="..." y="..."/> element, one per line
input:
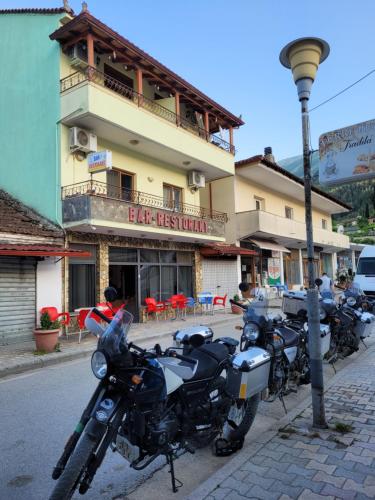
<point x="124" y="279"/>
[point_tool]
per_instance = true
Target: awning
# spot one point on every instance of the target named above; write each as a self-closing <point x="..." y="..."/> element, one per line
<point x="222" y="249"/>
<point x="40" y="251"/>
<point x="268" y="245"/>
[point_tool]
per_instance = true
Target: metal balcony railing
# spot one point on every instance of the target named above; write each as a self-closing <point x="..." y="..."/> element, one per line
<point x="93" y="75"/>
<point x="103" y="190"/>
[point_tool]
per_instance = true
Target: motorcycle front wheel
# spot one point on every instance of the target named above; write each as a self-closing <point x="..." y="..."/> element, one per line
<point x="68" y="480"/>
<point x="240" y="418"/>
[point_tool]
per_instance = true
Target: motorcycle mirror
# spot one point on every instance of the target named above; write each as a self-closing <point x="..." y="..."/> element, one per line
<point x="110" y="294"/>
<point x="93" y="326"/>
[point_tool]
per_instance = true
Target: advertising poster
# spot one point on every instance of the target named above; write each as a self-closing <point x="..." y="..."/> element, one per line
<point x="347" y="154"/>
<point x="274" y="272"/>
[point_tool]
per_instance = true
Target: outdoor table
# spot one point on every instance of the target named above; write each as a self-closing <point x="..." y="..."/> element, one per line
<point x="206" y="299"/>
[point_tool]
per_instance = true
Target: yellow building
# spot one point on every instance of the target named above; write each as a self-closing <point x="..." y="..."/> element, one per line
<point x="266" y="214"/>
<point x="159" y="140"/>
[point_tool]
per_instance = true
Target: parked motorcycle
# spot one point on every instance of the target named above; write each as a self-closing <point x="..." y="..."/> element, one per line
<point x="285" y="342"/>
<point x="151" y="403"/>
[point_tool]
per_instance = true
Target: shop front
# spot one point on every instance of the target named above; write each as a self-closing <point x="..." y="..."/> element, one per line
<point x="136" y="268"/>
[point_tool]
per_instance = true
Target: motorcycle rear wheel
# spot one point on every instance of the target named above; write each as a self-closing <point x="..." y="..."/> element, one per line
<point x="236" y="429"/>
<point x="68" y="481"/>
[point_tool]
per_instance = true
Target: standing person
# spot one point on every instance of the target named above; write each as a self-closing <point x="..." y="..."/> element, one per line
<point x="326" y="285"/>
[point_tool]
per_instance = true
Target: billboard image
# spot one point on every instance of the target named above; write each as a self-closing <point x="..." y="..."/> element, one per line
<point x="347" y="154"/>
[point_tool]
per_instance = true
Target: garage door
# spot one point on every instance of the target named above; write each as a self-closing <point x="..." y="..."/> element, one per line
<point x="220" y="277"/>
<point x="17" y="299"/>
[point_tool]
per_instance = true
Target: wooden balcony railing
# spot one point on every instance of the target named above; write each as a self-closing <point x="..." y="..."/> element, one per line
<point x="101" y="189"/>
<point x="92" y="74"/>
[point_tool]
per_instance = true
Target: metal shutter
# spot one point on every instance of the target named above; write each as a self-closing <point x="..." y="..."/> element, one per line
<point x="17" y="299"/>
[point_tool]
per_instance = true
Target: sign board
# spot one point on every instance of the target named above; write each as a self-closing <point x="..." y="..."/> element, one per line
<point x="159" y="218"/>
<point x="274" y="271"/>
<point x="100" y="161"/>
<point x="347" y="154"/>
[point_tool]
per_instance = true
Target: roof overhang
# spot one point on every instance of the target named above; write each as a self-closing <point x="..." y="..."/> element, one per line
<point x="268" y="245"/>
<point x="224" y="250"/>
<point x="263" y="173"/>
<point x="40" y="251"/>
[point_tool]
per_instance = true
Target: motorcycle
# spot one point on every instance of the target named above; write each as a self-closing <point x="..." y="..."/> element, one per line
<point x="286" y="343"/>
<point x="151" y="403"/>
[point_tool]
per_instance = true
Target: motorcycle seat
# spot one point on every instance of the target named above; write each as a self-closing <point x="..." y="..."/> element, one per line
<point x="291" y="338"/>
<point x="208" y="357"/>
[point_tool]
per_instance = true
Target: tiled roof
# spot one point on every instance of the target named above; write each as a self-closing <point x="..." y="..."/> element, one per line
<point x="15" y="217"/>
<point x="57" y="10"/>
<point x="282" y="171"/>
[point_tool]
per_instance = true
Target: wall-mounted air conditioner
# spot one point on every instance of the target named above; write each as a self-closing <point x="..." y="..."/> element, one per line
<point x="196" y="179"/>
<point x="82" y="140"/>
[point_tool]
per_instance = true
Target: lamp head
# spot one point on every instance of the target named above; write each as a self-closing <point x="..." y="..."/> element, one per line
<point x="303" y="57"/>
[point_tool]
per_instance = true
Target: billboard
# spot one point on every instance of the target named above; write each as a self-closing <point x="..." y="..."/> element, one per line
<point x="100" y="161"/>
<point x="347" y="154"/>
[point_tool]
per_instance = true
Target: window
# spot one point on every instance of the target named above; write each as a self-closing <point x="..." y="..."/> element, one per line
<point x="259" y="203"/>
<point x="366" y="265"/>
<point x="324" y="223"/>
<point x="82" y="278"/>
<point x="172" y="197"/>
<point x="120" y="184"/>
<point x="289" y="212"/>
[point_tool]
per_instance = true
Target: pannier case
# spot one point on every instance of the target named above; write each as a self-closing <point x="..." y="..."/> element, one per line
<point x="249" y="373"/>
<point x="182" y="336"/>
<point x="293" y="302"/>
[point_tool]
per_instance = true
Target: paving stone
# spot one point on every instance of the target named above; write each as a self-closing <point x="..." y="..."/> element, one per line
<point x="349" y="474"/>
<point x="314" y="456"/>
<point x="239" y="475"/>
<point x="346" y="464"/>
<point x="310" y="484"/>
<point x="280" y="466"/>
<point x="338" y="492"/>
<point x="331" y="452"/>
<point x="356" y="458"/>
<point x="313" y="464"/>
<point x="235" y="496"/>
<point x="282" y="448"/>
<point x="280" y="487"/>
<point x="261" y="494"/>
<point x="354" y="486"/>
<point x="364" y="469"/>
<point x="295" y="469"/>
<point x="220" y="493"/>
<point x="233" y="484"/>
<point x="323" y="477"/>
<point x="282" y="476"/>
<point x="291" y="459"/>
<point x="310" y="495"/>
<point x="250" y="467"/>
<point x="257" y="459"/>
<point x="310" y="447"/>
<point x="270" y="454"/>
<point x="262" y="481"/>
<point x="370" y="480"/>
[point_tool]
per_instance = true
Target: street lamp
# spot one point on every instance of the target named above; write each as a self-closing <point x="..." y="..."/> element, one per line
<point x="303" y="57"/>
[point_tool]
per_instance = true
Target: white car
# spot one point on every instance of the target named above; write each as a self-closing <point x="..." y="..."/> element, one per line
<point x="365" y="275"/>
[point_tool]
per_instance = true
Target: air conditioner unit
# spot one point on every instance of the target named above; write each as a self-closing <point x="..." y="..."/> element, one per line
<point x="78" y="57"/>
<point x="82" y="140"/>
<point x="196" y="179"/>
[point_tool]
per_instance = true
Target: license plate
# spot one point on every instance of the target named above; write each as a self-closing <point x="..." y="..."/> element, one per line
<point x="128" y="450"/>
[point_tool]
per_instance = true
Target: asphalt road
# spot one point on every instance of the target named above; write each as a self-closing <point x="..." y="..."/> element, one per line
<point x="39" y="410"/>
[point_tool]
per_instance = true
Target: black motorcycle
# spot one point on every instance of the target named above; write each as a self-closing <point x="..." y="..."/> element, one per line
<point x="150" y="403"/>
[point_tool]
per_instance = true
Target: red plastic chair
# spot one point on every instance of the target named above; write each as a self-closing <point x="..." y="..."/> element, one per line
<point x="154" y="307"/>
<point x="81" y="321"/>
<point x="55" y="315"/>
<point x="220" y="301"/>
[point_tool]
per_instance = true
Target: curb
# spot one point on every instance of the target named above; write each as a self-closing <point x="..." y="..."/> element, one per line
<point x="230" y="467"/>
<point x="41" y="361"/>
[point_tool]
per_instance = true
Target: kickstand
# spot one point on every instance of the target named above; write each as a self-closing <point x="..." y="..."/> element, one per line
<point x="170" y="459"/>
<point x="334" y="367"/>
<point x="281" y="397"/>
<point x="364" y="343"/>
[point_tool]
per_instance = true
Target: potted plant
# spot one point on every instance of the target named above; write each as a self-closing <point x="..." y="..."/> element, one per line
<point x="236" y="309"/>
<point x="46" y="337"/>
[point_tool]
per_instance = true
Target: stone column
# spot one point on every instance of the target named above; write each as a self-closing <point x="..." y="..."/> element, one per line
<point x="198" y="273"/>
<point x="102" y="270"/>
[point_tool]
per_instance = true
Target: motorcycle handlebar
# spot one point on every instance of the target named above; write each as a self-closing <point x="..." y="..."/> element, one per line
<point x="100" y="314"/>
<point x="181" y="357"/>
<point x="238" y="304"/>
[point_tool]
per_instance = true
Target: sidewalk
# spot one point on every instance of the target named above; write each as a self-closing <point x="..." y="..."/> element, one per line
<point x="297" y="462"/>
<point x="18" y="358"/>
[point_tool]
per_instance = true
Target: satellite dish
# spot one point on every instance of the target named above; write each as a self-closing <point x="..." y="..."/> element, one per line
<point x="340" y="229"/>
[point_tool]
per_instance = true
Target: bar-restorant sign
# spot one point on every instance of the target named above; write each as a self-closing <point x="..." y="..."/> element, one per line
<point x="100" y="161"/>
<point x="160" y="218"/>
<point x="347" y="154"/>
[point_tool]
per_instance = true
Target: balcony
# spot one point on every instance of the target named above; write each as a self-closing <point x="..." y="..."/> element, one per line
<point x="119" y="114"/>
<point x="96" y="206"/>
<point x="285" y="231"/>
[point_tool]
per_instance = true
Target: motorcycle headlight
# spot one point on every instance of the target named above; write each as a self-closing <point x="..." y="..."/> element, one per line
<point x="351" y="301"/>
<point x="99" y="364"/>
<point x="251" y="331"/>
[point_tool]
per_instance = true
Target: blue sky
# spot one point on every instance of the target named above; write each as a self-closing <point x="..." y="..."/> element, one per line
<point x="230" y="50"/>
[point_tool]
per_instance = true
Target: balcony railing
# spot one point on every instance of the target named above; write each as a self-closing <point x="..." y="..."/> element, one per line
<point x="93" y="75"/>
<point x="103" y="190"/>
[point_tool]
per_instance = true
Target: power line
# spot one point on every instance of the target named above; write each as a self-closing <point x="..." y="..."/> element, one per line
<point x="342" y="91"/>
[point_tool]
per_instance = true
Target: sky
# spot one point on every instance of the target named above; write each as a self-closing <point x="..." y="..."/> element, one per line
<point x="229" y="49"/>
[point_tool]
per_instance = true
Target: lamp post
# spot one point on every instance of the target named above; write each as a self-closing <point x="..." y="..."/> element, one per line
<point x="303" y="57"/>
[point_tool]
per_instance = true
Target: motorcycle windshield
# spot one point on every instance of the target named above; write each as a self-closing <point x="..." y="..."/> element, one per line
<point x="257" y="310"/>
<point x="114" y="338"/>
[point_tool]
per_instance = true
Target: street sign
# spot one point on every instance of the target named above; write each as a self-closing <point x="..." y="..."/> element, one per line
<point x="100" y="161"/>
<point x="347" y="154"/>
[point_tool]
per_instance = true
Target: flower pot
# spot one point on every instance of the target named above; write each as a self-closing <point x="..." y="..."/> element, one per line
<point x="236" y="309"/>
<point x="46" y="340"/>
